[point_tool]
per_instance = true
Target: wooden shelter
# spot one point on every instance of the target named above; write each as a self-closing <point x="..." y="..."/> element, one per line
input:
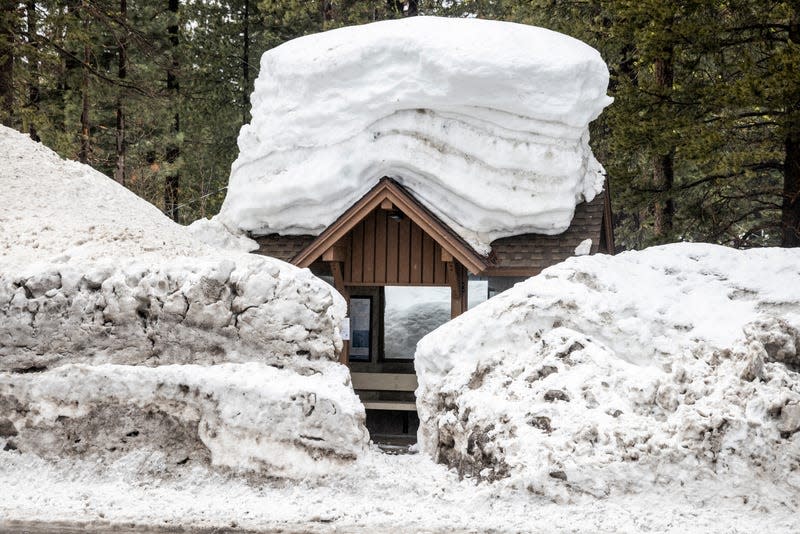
<point x="388" y="238"/>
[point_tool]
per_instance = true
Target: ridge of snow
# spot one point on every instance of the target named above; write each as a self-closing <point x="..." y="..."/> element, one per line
<point x="614" y="373"/>
<point x="485" y="122"/>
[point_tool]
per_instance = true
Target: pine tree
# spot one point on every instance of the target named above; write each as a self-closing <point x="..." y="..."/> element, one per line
<point x="8" y="32"/>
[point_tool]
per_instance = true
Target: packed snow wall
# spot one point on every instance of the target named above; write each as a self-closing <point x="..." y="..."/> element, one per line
<point x="120" y="331"/>
<point x="484" y="121"/>
<point x="611" y="373"/>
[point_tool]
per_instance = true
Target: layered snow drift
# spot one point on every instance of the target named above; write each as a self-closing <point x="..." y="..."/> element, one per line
<point x="610" y="373"/>
<point x="99" y="292"/>
<point x="484" y="121"/>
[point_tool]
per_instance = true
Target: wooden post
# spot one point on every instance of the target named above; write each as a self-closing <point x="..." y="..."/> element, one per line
<point x="457" y="276"/>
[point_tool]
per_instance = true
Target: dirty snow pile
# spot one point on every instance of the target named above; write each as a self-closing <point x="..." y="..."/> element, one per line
<point x="120" y="331"/>
<point x="611" y="374"/>
<point x="484" y="121"/>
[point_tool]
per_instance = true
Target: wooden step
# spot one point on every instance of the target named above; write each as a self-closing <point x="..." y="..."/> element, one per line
<point x="402" y="406"/>
<point x="384" y="381"/>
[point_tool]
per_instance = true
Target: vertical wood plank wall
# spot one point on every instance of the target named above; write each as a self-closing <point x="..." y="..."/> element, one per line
<point x="385" y="251"/>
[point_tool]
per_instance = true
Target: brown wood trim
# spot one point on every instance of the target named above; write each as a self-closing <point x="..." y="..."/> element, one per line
<point x="335" y="253"/>
<point x="368" y="255"/>
<point x="338" y="278"/>
<point x="458" y="289"/>
<point x="452" y="277"/>
<point x="388" y="189"/>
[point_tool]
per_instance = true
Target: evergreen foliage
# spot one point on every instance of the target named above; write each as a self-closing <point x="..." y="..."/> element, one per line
<point x="702" y="142"/>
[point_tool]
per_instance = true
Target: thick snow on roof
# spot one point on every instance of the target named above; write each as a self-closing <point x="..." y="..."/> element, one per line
<point x="614" y="373"/>
<point x="484" y="121"/>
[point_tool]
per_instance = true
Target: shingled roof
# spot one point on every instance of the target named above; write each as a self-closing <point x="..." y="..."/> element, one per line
<point x="528" y="254"/>
<point x="520" y="255"/>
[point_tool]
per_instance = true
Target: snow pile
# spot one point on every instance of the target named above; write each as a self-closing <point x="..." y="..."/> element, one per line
<point x="484" y="121"/>
<point x="242" y="416"/>
<point x="608" y="374"/>
<point x="95" y="282"/>
<point x="180" y="310"/>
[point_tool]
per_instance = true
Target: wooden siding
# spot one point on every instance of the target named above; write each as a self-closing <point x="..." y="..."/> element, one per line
<point x="386" y="251"/>
<point x="521" y="255"/>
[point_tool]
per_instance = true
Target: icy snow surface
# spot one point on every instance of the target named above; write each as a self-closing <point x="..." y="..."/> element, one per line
<point x="120" y="331"/>
<point x="484" y="121"/>
<point x="604" y="374"/>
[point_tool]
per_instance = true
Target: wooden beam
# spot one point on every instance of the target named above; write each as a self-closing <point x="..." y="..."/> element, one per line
<point x="338" y="278"/>
<point x="335" y="253"/>
<point x="458" y="289"/>
<point x="452" y="278"/>
<point x="387" y="205"/>
<point x="446" y="256"/>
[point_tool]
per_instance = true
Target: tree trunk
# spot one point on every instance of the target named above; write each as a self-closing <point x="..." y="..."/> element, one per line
<point x="790" y="208"/>
<point x="33" y="65"/>
<point x="122" y="72"/>
<point x="7" y="27"/>
<point x="245" y="60"/>
<point x="662" y="164"/>
<point x="173" y="152"/>
<point x="85" y="150"/>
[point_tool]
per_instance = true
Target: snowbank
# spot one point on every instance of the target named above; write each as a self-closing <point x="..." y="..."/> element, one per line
<point x="612" y="373"/>
<point x="180" y="310"/>
<point x="243" y="416"/>
<point x="484" y="121"/>
<point x="91" y="275"/>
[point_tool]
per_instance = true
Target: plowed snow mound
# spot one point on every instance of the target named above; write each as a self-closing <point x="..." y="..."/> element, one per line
<point x="95" y="282"/>
<point x="608" y="373"/>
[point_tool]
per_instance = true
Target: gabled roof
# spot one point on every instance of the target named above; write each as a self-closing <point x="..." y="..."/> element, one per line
<point x="388" y="189"/>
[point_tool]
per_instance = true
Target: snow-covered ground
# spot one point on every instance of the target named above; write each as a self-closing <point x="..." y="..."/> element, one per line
<point x="608" y="375"/>
<point x="379" y="493"/>
<point x="486" y="122"/>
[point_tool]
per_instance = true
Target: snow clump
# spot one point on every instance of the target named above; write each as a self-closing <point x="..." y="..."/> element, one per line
<point x="485" y="122"/>
<point x="612" y="373"/>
